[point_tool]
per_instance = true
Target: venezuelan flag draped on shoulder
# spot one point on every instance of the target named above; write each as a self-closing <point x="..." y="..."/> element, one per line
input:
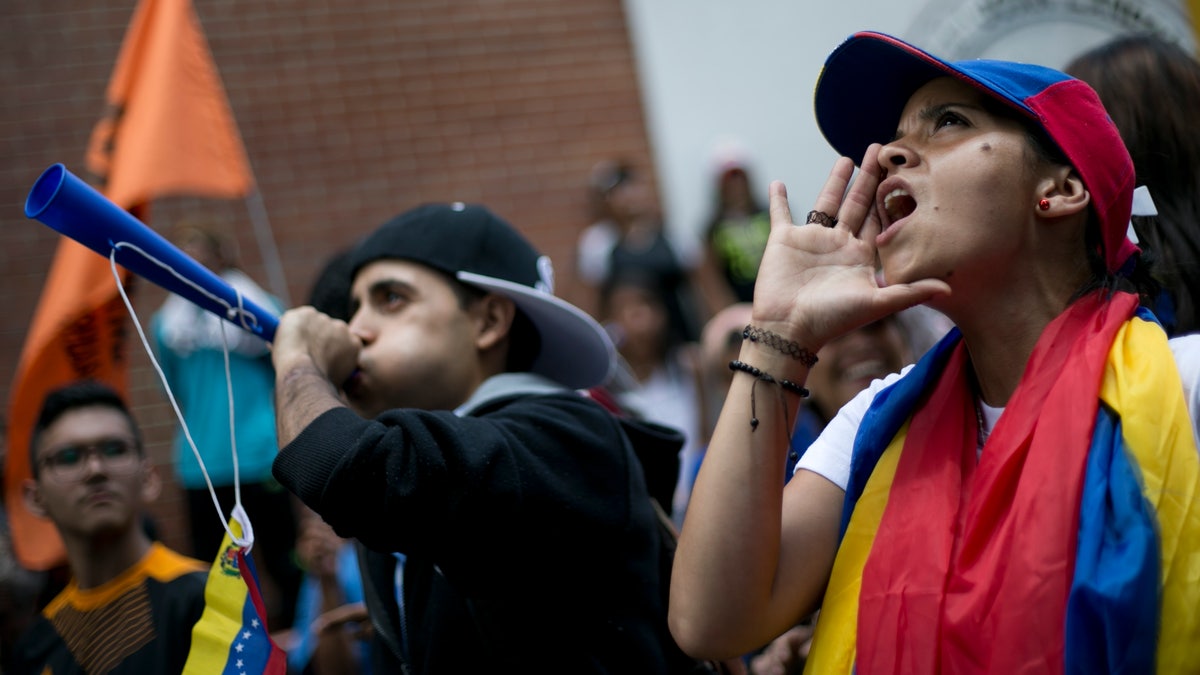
<point x="231" y="635"/>
<point x="1071" y="545"/>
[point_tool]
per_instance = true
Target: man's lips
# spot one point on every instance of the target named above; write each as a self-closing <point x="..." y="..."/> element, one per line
<point x="99" y="496"/>
<point x="353" y="385"/>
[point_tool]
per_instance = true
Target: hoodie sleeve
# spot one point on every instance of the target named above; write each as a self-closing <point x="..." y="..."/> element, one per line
<point x="408" y="480"/>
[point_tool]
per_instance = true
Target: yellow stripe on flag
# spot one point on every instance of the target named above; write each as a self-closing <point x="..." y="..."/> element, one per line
<point x="224" y="601"/>
<point x="1162" y="444"/>
<point x="833" y="648"/>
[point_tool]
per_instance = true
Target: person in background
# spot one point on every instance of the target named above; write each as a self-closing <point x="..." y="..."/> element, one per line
<point x="662" y="365"/>
<point x="849" y="363"/>
<point x="131" y="602"/>
<point x="1151" y="88"/>
<point x="631" y="237"/>
<point x="328" y="634"/>
<point x="736" y="232"/>
<point x="594" y="246"/>
<point x="188" y="345"/>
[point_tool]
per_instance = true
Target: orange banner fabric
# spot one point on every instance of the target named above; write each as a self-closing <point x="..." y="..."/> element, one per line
<point x="167" y="130"/>
<point x="168" y="127"/>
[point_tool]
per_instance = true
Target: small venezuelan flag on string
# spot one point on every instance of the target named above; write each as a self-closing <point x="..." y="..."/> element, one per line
<point x="231" y="636"/>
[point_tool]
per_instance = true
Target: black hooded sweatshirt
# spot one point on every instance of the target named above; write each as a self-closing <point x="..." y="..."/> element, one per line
<point x="530" y="544"/>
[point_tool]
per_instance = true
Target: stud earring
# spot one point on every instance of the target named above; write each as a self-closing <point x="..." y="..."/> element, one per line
<point x="1044" y="204"/>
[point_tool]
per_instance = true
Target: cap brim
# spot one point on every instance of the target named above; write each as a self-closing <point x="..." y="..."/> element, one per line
<point x="867" y="81"/>
<point x="576" y="351"/>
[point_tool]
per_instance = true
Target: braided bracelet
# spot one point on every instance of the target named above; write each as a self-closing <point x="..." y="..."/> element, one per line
<point x="785" y="385"/>
<point x="780" y="344"/>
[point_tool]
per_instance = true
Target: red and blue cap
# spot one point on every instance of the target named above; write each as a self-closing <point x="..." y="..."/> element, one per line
<point x="868" y="80"/>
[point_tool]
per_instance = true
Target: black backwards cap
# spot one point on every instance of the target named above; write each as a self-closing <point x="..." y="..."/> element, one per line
<point x="475" y="246"/>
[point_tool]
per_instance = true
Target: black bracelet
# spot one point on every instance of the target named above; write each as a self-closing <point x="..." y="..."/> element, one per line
<point x="788" y="385"/>
<point x="785" y="385"/>
<point x="779" y="343"/>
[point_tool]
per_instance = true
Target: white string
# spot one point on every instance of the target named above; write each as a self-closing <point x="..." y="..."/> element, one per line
<point x="237" y="483"/>
<point x="241" y="313"/>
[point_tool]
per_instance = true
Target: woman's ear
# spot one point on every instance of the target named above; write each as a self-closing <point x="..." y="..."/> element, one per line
<point x="1062" y="194"/>
<point x="495" y="319"/>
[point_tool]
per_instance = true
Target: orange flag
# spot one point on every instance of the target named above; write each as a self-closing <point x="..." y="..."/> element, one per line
<point x="167" y="129"/>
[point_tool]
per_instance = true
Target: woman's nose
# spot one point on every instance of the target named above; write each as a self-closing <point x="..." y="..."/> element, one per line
<point x="895" y="155"/>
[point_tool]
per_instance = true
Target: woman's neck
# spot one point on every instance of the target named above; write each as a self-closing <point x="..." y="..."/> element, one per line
<point x="1001" y="339"/>
<point x="998" y="360"/>
<point x="1003" y="319"/>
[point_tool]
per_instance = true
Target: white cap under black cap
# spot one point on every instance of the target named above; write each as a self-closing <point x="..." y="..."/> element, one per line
<point x="475" y="246"/>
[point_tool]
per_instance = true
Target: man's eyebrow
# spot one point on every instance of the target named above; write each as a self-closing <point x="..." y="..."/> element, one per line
<point x="389" y="284"/>
<point x="382" y="284"/>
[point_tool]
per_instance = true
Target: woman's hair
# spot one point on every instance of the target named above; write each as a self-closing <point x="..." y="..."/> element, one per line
<point x="1151" y="88"/>
<point x="742" y="174"/>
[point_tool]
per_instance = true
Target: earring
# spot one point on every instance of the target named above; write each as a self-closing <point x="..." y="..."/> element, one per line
<point x="1044" y="204"/>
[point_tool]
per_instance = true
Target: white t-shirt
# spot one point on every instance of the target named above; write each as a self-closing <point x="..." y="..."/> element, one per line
<point x="829" y="455"/>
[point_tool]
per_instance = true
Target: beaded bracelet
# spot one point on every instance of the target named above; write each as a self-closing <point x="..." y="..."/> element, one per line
<point x="779" y="343"/>
<point x="785" y="385"/>
<point x="766" y="377"/>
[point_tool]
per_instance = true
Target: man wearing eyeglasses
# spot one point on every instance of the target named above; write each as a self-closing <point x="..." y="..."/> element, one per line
<point x="131" y="602"/>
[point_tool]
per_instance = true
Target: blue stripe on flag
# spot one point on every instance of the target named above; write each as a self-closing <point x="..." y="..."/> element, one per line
<point x="251" y="647"/>
<point x="1113" y="606"/>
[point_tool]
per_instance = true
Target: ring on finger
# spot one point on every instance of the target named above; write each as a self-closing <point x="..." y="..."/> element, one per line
<point x="820" y="218"/>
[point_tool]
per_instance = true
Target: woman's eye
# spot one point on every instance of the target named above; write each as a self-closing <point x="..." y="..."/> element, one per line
<point x="948" y="119"/>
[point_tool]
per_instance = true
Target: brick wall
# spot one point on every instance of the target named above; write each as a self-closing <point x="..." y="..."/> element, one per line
<point x="350" y="113"/>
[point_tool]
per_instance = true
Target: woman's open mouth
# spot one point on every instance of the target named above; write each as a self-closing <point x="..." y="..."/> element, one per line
<point x="897" y="205"/>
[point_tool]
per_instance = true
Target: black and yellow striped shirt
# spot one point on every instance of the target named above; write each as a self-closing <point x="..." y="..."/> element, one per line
<point x="141" y="622"/>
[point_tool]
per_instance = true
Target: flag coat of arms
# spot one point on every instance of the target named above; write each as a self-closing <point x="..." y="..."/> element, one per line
<point x="232" y="636"/>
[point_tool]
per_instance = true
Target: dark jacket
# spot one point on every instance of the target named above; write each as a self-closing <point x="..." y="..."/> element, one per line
<point x="530" y="542"/>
